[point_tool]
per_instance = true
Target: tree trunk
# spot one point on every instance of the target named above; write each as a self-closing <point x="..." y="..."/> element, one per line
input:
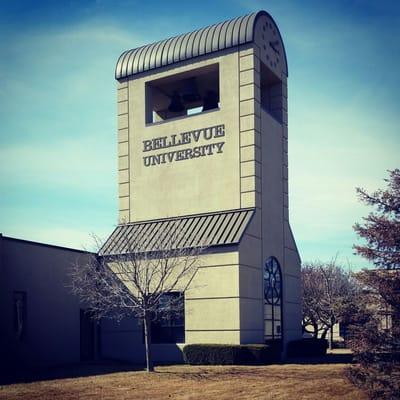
<point x="395" y="322"/>
<point x="147" y="342"/>
<point x="315" y="334"/>
<point x="324" y="332"/>
<point x="331" y="337"/>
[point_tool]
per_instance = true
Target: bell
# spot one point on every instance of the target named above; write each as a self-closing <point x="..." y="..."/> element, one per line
<point x="176" y="103"/>
<point x="210" y="101"/>
<point x="190" y="93"/>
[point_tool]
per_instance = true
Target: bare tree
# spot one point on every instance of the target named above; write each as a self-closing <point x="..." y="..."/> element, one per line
<point x="139" y="280"/>
<point x="329" y="295"/>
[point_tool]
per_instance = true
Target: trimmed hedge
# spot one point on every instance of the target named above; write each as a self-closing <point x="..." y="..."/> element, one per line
<point x="309" y="347"/>
<point x="227" y="354"/>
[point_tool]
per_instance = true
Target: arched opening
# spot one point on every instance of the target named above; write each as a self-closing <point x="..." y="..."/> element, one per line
<point x="272" y="300"/>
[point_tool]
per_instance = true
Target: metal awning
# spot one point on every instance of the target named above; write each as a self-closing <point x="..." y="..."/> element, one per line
<point x="201" y="230"/>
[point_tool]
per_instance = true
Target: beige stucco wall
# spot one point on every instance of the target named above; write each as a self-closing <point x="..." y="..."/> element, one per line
<point x="182" y="187"/>
<point x="212" y="296"/>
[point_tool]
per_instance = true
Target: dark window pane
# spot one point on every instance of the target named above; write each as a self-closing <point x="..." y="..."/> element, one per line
<point x="170" y="324"/>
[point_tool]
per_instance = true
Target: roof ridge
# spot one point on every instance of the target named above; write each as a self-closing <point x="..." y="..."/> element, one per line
<point x="140" y="59"/>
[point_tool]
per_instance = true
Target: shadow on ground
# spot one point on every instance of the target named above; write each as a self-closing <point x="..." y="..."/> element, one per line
<point x="19" y="375"/>
<point x="338" y="356"/>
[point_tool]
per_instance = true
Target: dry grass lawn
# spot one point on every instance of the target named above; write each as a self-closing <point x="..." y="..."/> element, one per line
<point x="290" y="381"/>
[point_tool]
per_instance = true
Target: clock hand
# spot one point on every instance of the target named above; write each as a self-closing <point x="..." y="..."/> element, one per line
<point x="273" y="46"/>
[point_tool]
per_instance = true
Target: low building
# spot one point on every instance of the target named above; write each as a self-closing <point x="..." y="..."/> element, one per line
<point x="42" y="323"/>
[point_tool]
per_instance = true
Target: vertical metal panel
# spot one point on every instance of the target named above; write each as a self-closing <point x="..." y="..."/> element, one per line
<point x="191" y="223"/>
<point x="209" y="38"/>
<point x="147" y="56"/>
<point x="232" y="227"/>
<point x="196" y="41"/>
<point x="250" y="26"/>
<point x="222" y="228"/>
<point x="107" y="246"/>
<point x="140" y="233"/>
<point x="129" y="239"/>
<point x="119" y="242"/>
<point x="142" y="59"/>
<point x="160" y="52"/>
<point x="217" y="219"/>
<point x="185" y="227"/>
<point x="171" y="50"/>
<point x="148" y="233"/>
<point x="236" y="227"/>
<point x="197" y="237"/>
<point x="189" y="45"/>
<point x="203" y="40"/>
<point x="182" y="51"/>
<point x="229" y="33"/>
<point x="177" y="51"/>
<point x="244" y="224"/>
<point x="129" y="62"/>
<point x="136" y="58"/>
<point x="242" y="29"/>
<point x="158" y="236"/>
<point x="230" y="219"/>
<point x="207" y="232"/>
<point x="236" y="32"/>
<point x="121" y="62"/>
<point x="152" y="57"/>
<point x="164" y="59"/>
<point x="222" y="35"/>
<point x="149" y="59"/>
<point x="187" y="239"/>
<point x="214" y="39"/>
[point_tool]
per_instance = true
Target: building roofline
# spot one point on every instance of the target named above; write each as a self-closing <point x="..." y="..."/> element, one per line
<point x="2" y="237"/>
<point x="204" y="41"/>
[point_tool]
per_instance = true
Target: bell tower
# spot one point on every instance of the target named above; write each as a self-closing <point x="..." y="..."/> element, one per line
<point x="203" y="139"/>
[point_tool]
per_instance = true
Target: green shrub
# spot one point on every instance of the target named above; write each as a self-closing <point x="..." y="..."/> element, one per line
<point x="307" y="348"/>
<point x="227" y="354"/>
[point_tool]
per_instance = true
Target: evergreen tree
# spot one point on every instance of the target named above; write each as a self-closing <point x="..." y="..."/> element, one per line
<point x="376" y="332"/>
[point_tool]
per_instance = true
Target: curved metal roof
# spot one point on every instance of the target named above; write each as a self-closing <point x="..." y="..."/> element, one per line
<point x="223" y="35"/>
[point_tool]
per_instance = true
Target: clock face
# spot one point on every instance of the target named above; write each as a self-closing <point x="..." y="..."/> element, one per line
<point x="272" y="52"/>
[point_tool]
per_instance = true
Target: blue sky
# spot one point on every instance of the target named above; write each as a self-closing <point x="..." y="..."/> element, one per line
<point x="58" y="160"/>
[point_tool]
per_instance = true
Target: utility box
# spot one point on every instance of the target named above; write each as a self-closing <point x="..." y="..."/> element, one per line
<point x="203" y="140"/>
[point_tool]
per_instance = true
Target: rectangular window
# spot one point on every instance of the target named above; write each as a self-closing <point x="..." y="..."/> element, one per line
<point x="19" y="306"/>
<point x="170" y="324"/>
<point x="184" y="94"/>
<point x="271" y="93"/>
